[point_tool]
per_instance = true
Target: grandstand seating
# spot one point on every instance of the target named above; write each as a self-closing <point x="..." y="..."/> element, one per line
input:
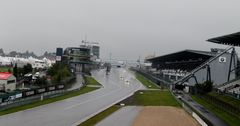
<point x="232" y="87"/>
<point x="235" y="90"/>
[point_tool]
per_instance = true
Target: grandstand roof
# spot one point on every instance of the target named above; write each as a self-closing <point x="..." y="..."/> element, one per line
<point x="184" y="60"/>
<point x="185" y="54"/>
<point x="231" y="39"/>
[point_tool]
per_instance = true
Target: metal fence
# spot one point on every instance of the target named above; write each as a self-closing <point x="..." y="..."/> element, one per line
<point x="159" y="81"/>
<point x="47" y="92"/>
<point x="193" y="112"/>
<point x="31" y="99"/>
<point x="223" y="105"/>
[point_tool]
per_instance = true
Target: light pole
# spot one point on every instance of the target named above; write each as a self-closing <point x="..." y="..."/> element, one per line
<point x="110" y="56"/>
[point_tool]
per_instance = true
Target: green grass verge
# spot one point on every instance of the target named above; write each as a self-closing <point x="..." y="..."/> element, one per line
<point x="94" y="120"/>
<point x="91" y="81"/>
<point x="227" y="117"/>
<point x="49" y="100"/>
<point x="146" y="82"/>
<point x="152" y="98"/>
<point x="227" y="99"/>
<point x="148" y="98"/>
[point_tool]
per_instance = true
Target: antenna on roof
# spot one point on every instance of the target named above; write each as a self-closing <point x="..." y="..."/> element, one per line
<point x="85" y="39"/>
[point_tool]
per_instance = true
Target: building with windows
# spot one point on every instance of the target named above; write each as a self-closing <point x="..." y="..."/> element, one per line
<point x="78" y="58"/>
<point x="95" y="51"/>
<point x="59" y="54"/>
<point x="7" y="81"/>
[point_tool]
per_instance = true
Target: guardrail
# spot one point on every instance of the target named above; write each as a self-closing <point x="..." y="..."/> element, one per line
<point x="197" y="115"/>
<point x="151" y="77"/>
<point x="28" y="96"/>
<point x="27" y="100"/>
<point x="235" y="110"/>
<point x="193" y="112"/>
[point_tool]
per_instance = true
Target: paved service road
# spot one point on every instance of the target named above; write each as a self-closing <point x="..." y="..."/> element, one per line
<point x="123" y="117"/>
<point x="200" y="109"/>
<point x="75" y="110"/>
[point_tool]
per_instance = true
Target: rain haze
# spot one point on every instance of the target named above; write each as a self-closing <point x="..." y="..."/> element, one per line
<point x="125" y="28"/>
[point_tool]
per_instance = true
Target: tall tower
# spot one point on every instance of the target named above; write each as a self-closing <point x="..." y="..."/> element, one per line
<point x="59" y="54"/>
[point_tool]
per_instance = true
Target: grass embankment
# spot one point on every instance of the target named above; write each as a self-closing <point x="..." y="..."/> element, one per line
<point x="94" y="120"/>
<point x="227" y="117"/>
<point x="152" y="98"/>
<point x="91" y="81"/>
<point x="49" y="100"/>
<point x="146" y="82"/>
<point x="227" y="99"/>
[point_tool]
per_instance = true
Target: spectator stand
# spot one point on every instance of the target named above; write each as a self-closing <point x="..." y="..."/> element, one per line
<point x="231" y="86"/>
<point x="176" y="66"/>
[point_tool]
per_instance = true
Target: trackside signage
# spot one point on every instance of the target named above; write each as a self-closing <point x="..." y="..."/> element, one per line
<point x="28" y="93"/>
<point x="60" y="86"/>
<point x="41" y="90"/>
<point x="51" y="88"/>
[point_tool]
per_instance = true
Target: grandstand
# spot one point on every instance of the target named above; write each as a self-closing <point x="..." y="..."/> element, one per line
<point x="231" y="87"/>
<point x="176" y="65"/>
<point x="193" y="66"/>
<point x="190" y="67"/>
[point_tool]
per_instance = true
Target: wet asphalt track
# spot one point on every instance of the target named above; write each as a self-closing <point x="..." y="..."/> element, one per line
<point x="75" y="110"/>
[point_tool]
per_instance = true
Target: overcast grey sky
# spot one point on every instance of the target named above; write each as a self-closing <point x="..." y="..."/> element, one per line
<point x="126" y="28"/>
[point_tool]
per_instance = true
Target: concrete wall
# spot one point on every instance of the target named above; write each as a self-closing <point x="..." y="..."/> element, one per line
<point x="2" y="84"/>
<point x="81" y="67"/>
<point x="219" y="71"/>
<point x="10" y="87"/>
